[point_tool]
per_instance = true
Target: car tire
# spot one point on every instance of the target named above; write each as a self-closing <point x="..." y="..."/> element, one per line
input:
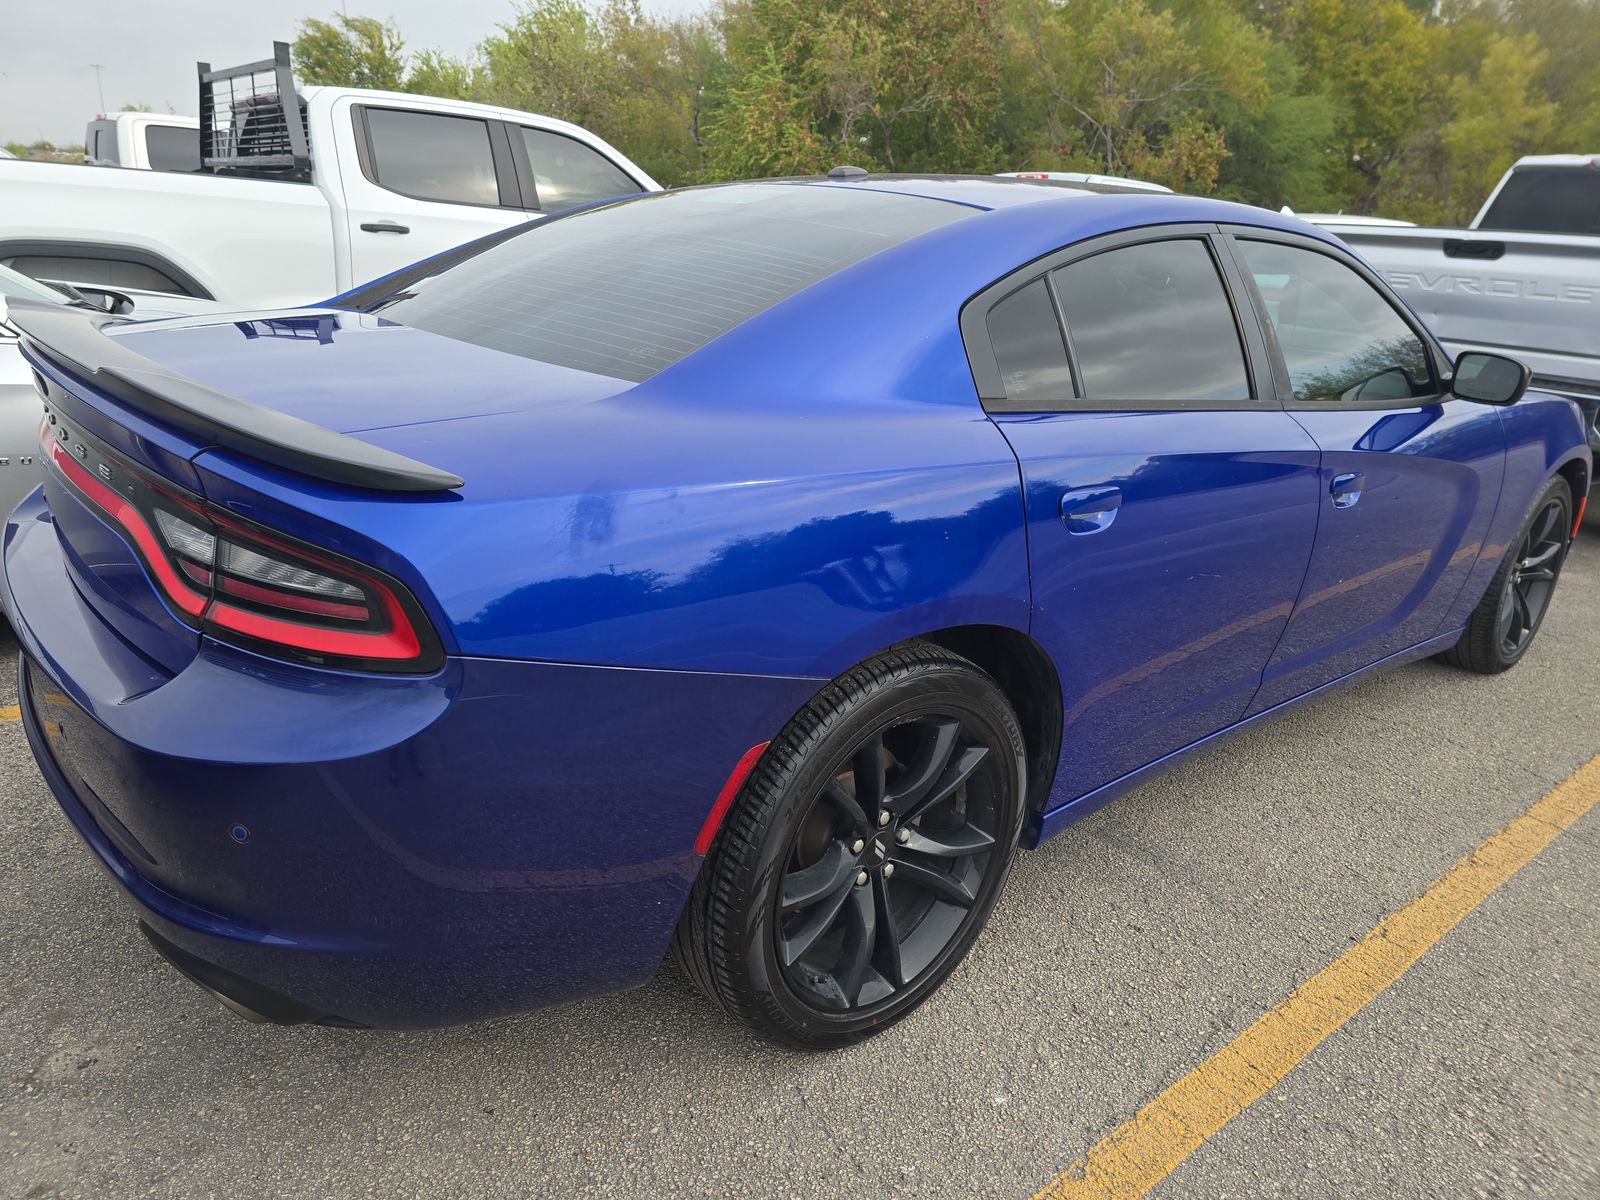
<point x="1503" y="625"/>
<point x="798" y="924"/>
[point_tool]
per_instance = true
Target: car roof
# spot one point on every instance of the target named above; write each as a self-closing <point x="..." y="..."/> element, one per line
<point x="1076" y="209"/>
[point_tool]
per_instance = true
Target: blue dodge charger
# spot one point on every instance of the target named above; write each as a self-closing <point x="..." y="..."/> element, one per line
<point x="742" y="572"/>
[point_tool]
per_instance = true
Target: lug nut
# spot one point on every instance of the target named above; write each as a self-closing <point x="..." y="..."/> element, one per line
<point x="903" y="836"/>
<point x="857" y="846"/>
<point x="883" y="817"/>
<point x="888" y="870"/>
<point x="861" y="878"/>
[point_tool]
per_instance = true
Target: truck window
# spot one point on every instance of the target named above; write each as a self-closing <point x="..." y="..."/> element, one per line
<point x="432" y="156"/>
<point x="172" y="148"/>
<point x="1554" y="199"/>
<point x="102" y="148"/>
<point x="567" y="173"/>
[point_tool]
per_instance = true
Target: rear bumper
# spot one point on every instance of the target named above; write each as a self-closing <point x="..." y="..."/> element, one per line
<point x="381" y="851"/>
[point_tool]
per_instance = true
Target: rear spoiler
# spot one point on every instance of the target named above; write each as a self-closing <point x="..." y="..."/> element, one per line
<point x="75" y="340"/>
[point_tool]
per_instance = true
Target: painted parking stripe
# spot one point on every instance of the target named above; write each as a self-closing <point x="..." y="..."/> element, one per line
<point x="10" y="713"/>
<point x="1136" y="1156"/>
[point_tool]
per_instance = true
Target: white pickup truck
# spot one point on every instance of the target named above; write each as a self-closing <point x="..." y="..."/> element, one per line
<point x="1523" y="279"/>
<point x="145" y="141"/>
<point x="284" y="211"/>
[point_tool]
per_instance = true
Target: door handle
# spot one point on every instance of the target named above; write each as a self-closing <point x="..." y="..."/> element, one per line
<point x="1346" y="489"/>
<point x="384" y="227"/>
<point x="1090" y="510"/>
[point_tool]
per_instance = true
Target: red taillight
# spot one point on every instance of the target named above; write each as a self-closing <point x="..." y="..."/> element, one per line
<point x="245" y="584"/>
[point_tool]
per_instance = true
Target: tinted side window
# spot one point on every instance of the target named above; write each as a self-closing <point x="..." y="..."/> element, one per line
<point x="567" y="173"/>
<point x="1341" y="340"/>
<point x="1548" y="200"/>
<point x="172" y="149"/>
<point x="433" y="157"/>
<point x="1028" y="349"/>
<point x="1152" y="322"/>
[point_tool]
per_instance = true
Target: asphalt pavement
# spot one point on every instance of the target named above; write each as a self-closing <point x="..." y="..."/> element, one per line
<point x="1123" y="954"/>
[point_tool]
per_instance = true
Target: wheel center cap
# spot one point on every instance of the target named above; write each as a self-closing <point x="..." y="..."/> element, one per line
<point x="877" y="850"/>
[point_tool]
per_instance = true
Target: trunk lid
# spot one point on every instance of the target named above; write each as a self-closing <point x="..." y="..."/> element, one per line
<point x="350" y="373"/>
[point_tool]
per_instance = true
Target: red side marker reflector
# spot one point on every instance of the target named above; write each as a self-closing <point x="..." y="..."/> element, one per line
<point x="741" y="772"/>
<point x="1583" y="503"/>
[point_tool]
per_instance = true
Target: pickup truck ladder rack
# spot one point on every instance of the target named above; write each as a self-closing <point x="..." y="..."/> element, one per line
<point x="245" y="119"/>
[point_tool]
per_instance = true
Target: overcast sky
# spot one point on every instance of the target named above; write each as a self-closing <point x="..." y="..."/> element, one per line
<point x="147" y="49"/>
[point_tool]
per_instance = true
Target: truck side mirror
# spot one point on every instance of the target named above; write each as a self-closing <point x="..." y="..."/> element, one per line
<point x="1489" y="378"/>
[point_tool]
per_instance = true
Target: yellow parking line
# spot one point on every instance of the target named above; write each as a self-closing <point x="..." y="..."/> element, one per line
<point x="9" y="713"/>
<point x="1136" y="1156"/>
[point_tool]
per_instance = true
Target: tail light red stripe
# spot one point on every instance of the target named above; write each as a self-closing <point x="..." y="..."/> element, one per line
<point x="398" y="642"/>
<point x="131" y="519"/>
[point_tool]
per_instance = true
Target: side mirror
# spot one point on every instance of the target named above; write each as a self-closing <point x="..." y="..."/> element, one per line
<point x="1489" y="378"/>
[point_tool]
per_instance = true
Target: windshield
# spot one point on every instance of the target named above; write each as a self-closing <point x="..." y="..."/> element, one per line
<point x="629" y="289"/>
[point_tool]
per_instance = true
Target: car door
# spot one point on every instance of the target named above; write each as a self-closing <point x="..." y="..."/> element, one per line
<point x="427" y="181"/>
<point x="1170" y="501"/>
<point x="1410" y="475"/>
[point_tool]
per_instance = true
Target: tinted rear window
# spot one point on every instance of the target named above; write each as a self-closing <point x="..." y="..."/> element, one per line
<point x="629" y="289"/>
<point x="172" y="149"/>
<point x="1547" y="200"/>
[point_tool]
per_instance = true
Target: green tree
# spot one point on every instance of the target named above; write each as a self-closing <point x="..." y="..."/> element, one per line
<point x="1126" y="88"/>
<point x="435" y="74"/>
<point x="1498" y="115"/>
<point x="346" y="51"/>
<point x="552" y="58"/>
<point x="1376" y="60"/>
<point x="906" y="85"/>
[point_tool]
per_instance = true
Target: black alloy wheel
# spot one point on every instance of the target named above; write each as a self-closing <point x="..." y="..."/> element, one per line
<point x="888" y="862"/>
<point x="864" y="853"/>
<point x="1503" y="625"/>
<point x="1532" y="578"/>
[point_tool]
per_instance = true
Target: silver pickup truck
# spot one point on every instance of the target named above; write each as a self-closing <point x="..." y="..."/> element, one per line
<point x="1523" y="279"/>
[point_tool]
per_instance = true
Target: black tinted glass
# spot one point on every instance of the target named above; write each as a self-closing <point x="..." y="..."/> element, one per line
<point x="1548" y="200"/>
<point x="1028" y="349"/>
<point x="1152" y="322"/>
<point x="567" y="173"/>
<point x="172" y="149"/>
<point x="433" y="157"/>
<point x="631" y="288"/>
<point x="1340" y="338"/>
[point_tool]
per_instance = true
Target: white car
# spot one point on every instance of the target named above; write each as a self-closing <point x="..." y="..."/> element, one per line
<point x="287" y="211"/>
<point x="20" y="410"/>
<point x="1119" y="181"/>
<point x="1339" y="220"/>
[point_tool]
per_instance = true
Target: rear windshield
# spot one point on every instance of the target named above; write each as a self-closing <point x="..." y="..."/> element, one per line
<point x="629" y="289"/>
<point x="1547" y="200"/>
<point x="172" y="148"/>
